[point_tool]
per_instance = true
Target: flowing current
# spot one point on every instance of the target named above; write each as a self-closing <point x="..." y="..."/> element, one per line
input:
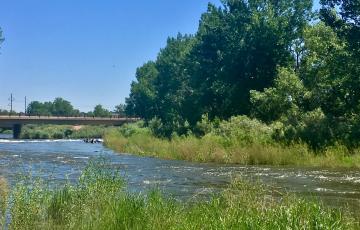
<point x="58" y="161"/>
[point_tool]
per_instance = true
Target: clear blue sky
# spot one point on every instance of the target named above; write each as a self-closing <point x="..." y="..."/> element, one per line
<point x="84" y="51"/>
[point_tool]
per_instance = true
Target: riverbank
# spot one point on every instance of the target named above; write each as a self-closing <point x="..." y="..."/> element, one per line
<point x="4" y="194"/>
<point x="5" y="131"/>
<point x="246" y="148"/>
<point x="100" y="201"/>
<point x="62" y="132"/>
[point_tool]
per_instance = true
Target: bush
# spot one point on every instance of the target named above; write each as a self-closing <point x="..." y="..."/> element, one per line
<point x="176" y="126"/>
<point x="58" y="135"/>
<point x="312" y="128"/>
<point x="287" y="95"/>
<point x="244" y="131"/>
<point x="128" y="130"/>
<point x="205" y="126"/>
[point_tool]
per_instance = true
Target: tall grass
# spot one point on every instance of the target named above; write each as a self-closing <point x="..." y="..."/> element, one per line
<point x="228" y="145"/>
<point x="99" y="201"/>
<point x="61" y="132"/>
<point x="4" y="193"/>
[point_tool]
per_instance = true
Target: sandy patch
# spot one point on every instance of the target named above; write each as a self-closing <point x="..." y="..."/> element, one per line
<point x="77" y="127"/>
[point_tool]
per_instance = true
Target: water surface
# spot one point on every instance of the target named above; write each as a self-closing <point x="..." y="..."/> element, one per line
<point x="61" y="160"/>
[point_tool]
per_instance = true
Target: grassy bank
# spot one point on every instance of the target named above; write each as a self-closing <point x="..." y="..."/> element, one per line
<point x="99" y="201"/>
<point x="4" y="194"/>
<point x="61" y="132"/>
<point x="238" y="144"/>
<point x="5" y="131"/>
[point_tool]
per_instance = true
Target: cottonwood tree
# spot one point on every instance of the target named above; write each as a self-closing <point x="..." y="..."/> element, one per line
<point x="344" y="17"/>
<point x="100" y="111"/>
<point x="120" y="109"/>
<point x="238" y="48"/>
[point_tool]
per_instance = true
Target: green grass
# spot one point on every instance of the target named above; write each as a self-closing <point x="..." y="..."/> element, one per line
<point x="61" y="132"/>
<point x="4" y="194"/>
<point x="239" y="148"/>
<point x="5" y="131"/>
<point x="99" y="201"/>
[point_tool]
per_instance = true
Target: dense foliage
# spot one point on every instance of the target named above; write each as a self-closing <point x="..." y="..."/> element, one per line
<point x="274" y="61"/>
<point x="99" y="111"/>
<point x="61" y="107"/>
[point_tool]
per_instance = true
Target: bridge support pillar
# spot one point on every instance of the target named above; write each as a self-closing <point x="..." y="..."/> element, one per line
<point x="16" y="131"/>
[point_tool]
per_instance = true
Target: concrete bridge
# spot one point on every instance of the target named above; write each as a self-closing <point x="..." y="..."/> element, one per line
<point x="16" y="122"/>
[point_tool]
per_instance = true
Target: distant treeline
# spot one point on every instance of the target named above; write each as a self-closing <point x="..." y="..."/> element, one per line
<point x="61" y="107"/>
<point x="275" y="61"/>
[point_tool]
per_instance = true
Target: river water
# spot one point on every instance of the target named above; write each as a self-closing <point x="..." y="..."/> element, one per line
<point x="57" y="161"/>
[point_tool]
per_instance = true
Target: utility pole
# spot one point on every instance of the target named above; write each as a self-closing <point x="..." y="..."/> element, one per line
<point x="25" y="110"/>
<point x="11" y="99"/>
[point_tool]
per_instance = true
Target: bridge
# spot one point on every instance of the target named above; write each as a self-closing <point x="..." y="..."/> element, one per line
<point x="16" y="122"/>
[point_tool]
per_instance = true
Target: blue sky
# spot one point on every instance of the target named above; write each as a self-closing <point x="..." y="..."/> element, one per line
<point x="84" y="51"/>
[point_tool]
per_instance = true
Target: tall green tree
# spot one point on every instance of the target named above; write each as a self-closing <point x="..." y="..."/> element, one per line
<point x="344" y="17"/>
<point x="100" y="111"/>
<point x="321" y="81"/>
<point x="172" y="83"/>
<point x="61" y="107"/>
<point x="142" y="99"/>
<point x="120" y="109"/>
<point x="286" y="98"/>
<point x="325" y="71"/>
<point x="319" y="104"/>
<point x="36" y="108"/>
<point x="240" y="47"/>
<point x="162" y="87"/>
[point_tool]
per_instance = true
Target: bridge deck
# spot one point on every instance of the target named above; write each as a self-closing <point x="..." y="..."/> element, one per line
<point x="9" y="121"/>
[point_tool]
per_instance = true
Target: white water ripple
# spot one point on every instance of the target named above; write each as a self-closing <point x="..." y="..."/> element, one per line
<point x="38" y="141"/>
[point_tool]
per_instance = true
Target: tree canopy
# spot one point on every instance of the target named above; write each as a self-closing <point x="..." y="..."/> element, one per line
<point x="59" y="107"/>
<point x="99" y="111"/>
<point x="237" y="48"/>
<point x="270" y="60"/>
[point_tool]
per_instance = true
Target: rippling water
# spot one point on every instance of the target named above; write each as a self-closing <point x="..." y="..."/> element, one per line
<point x="61" y="160"/>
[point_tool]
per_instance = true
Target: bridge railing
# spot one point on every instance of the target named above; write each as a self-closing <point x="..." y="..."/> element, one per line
<point x="23" y="116"/>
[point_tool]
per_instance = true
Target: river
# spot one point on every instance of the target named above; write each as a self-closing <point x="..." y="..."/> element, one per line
<point x="57" y="161"/>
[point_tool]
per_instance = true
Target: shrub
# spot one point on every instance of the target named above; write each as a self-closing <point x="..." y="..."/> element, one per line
<point x="58" y="135"/>
<point x="244" y="131"/>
